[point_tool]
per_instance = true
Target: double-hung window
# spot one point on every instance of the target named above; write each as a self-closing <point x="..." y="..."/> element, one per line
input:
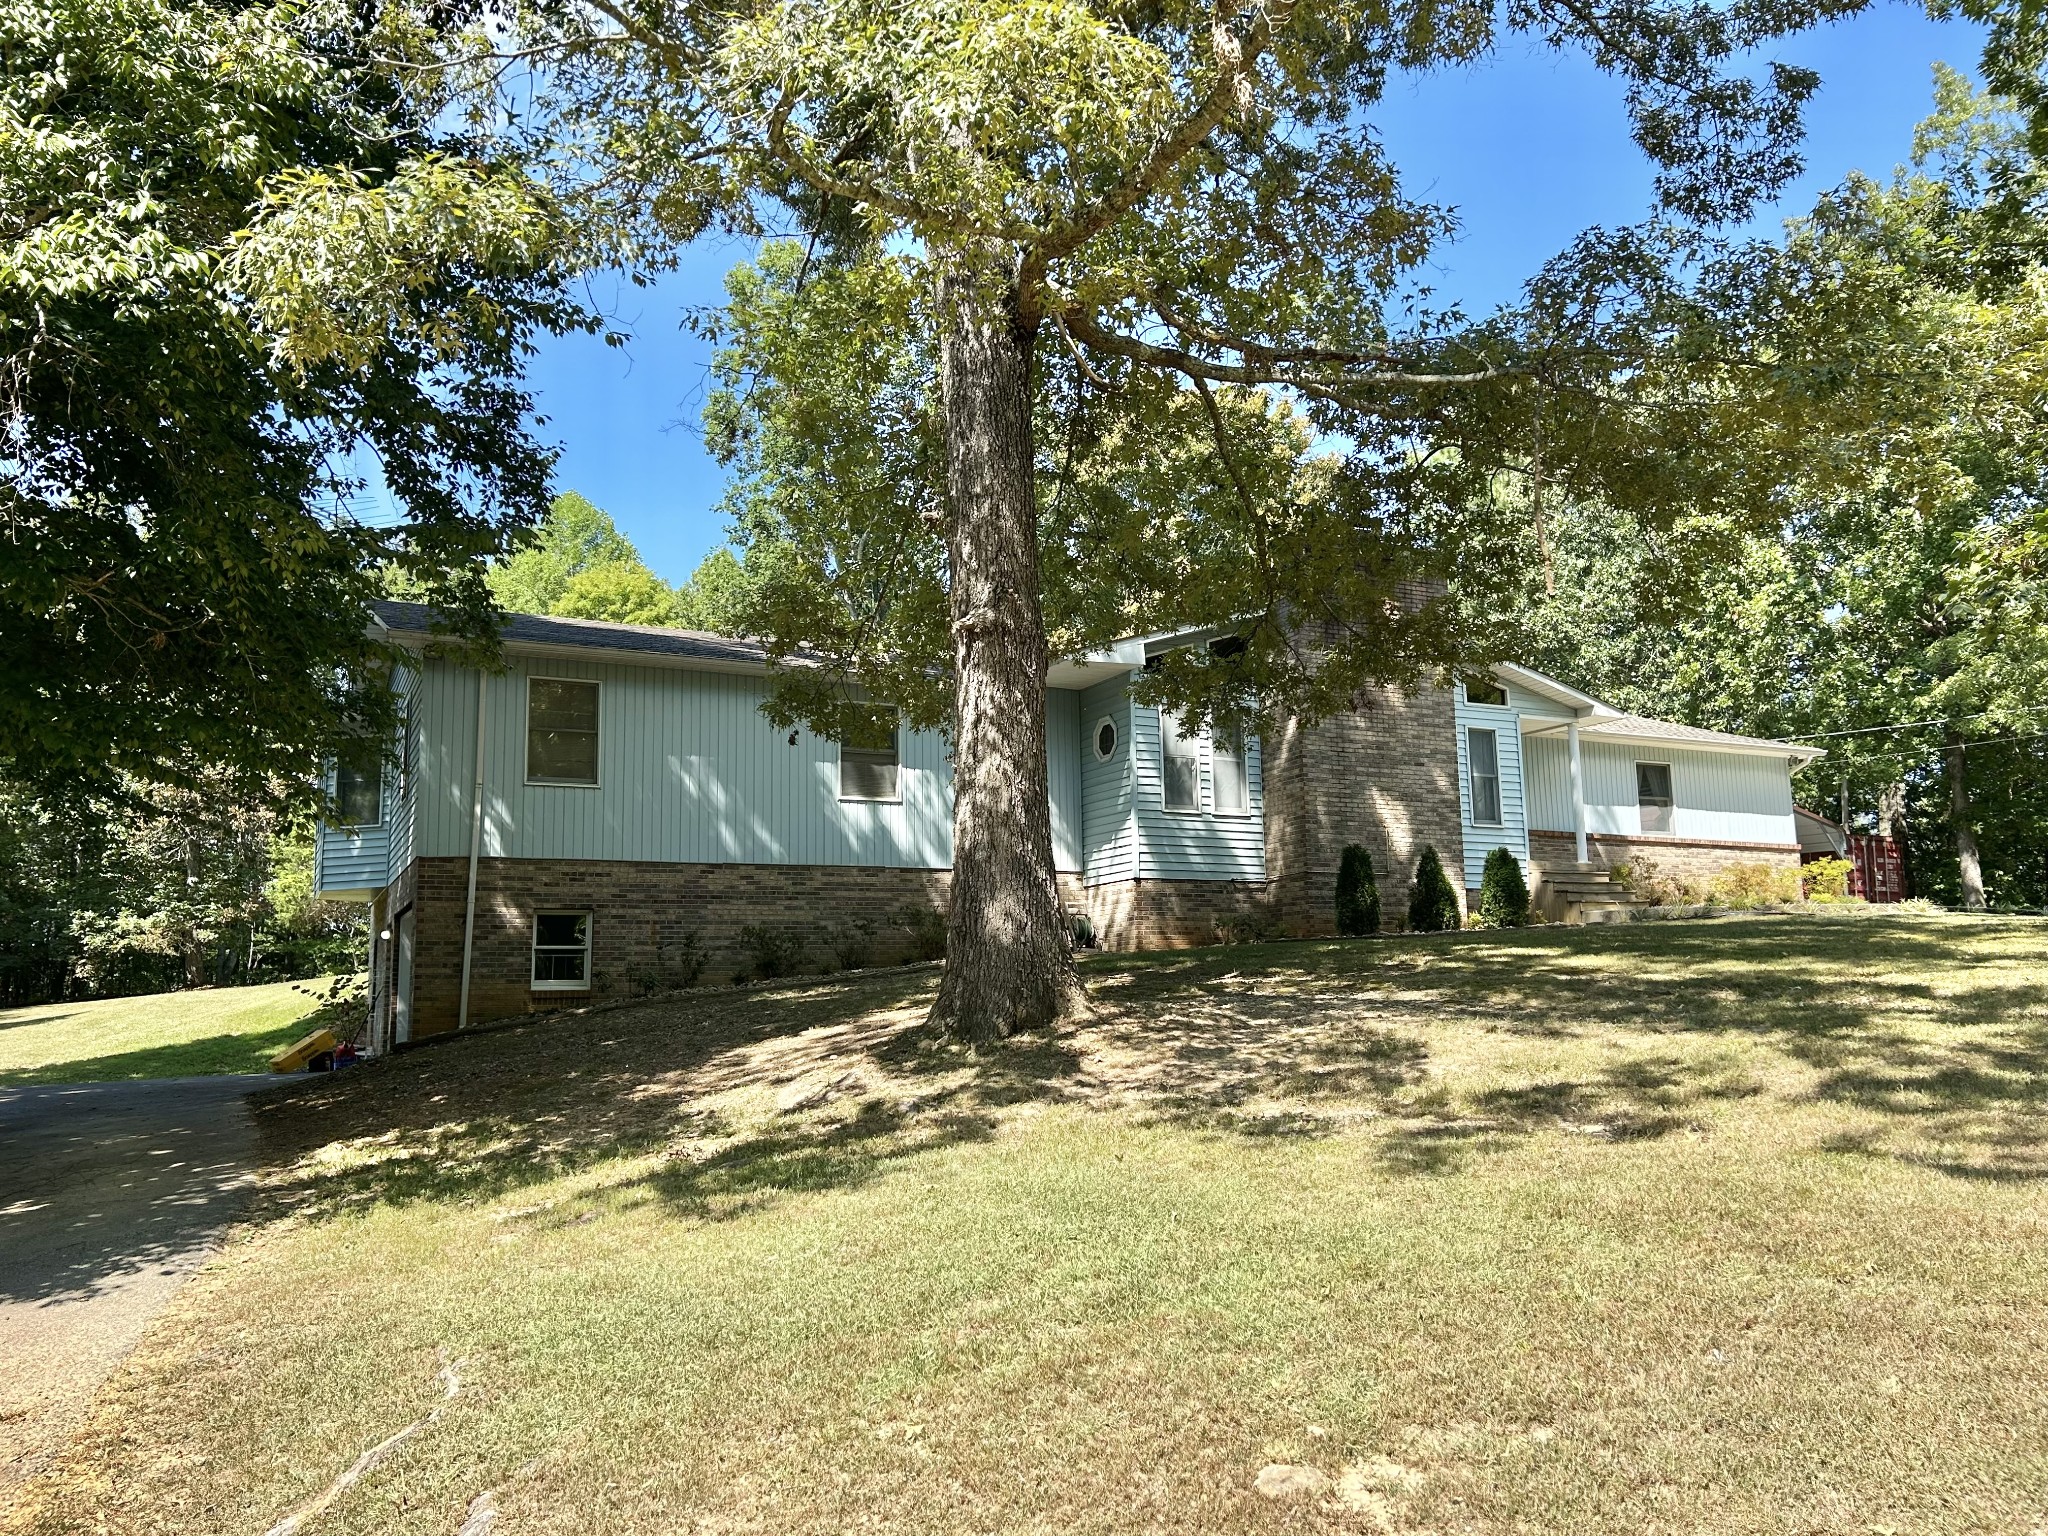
<point x="561" y="731"/>
<point x="1653" y="797"/>
<point x="1233" y="784"/>
<point x="561" y="951"/>
<point x="1482" y="768"/>
<point x="1180" y="764"/>
<point x="870" y="759"/>
<point x="359" y="786"/>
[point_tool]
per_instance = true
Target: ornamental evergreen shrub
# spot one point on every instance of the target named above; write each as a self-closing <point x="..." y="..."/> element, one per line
<point x="1432" y="905"/>
<point x="1503" y="893"/>
<point x="1358" y="894"/>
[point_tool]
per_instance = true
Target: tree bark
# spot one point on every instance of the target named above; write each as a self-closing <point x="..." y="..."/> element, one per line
<point x="1009" y="955"/>
<point x="1967" y="858"/>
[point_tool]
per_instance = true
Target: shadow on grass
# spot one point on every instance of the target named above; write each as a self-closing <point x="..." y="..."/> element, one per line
<point x="1898" y="1017"/>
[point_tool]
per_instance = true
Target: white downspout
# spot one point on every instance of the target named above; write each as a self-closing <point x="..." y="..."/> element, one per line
<point x="1578" y="793"/>
<point x="476" y="838"/>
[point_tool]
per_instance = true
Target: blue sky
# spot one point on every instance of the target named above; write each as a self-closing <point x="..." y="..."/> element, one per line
<point x="1530" y="148"/>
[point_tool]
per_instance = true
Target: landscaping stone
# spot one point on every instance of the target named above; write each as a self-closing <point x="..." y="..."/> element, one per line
<point x="1279" y="1480"/>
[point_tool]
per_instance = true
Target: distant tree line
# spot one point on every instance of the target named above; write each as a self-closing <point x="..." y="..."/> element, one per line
<point x="160" y="889"/>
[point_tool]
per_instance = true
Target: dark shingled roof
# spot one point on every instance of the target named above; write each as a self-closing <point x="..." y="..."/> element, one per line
<point x="589" y="634"/>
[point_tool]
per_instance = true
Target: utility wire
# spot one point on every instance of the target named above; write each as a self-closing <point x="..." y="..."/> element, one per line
<point x="1908" y="725"/>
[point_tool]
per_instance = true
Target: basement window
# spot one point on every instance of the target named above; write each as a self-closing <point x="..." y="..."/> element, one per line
<point x="1482" y="764"/>
<point x="561" y="731"/>
<point x="1653" y="797"/>
<point x="870" y="758"/>
<point x="561" y="951"/>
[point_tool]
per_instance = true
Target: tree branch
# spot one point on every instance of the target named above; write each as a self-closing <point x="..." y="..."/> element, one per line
<point x="1336" y="388"/>
<point x="1231" y="92"/>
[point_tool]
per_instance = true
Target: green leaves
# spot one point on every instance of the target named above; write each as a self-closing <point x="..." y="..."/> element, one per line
<point x="235" y="259"/>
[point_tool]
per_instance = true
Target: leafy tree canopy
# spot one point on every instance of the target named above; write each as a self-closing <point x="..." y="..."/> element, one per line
<point x="578" y="565"/>
<point x="240" y="252"/>
<point x="1903" y="598"/>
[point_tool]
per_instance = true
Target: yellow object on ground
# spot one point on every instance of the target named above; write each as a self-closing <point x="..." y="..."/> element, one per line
<point x="304" y="1051"/>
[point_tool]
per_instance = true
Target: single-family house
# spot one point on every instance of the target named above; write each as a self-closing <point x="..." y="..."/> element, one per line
<point x="614" y="800"/>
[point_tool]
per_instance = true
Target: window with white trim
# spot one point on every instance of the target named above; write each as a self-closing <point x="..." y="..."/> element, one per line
<point x="359" y="787"/>
<point x="1180" y="764"/>
<point x="1484" y="690"/>
<point x="561" y="731"/>
<point x="561" y="951"/>
<point x="1233" y="788"/>
<point x="870" y="755"/>
<point x="1653" y="797"/>
<point x="1105" y="739"/>
<point x="1482" y="766"/>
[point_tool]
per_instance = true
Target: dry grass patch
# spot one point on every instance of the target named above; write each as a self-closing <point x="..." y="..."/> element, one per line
<point x="1728" y="1227"/>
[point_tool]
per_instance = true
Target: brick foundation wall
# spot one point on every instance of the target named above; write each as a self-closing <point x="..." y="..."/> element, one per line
<point x="1173" y="914"/>
<point x="1383" y="774"/>
<point x="1696" y="862"/>
<point x="642" y="916"/>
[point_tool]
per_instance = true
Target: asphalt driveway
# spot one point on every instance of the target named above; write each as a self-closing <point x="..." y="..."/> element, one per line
<point x="111" y="1195"/>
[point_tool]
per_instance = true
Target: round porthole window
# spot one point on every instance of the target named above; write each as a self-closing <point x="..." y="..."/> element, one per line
<point x="1105" y="740"/>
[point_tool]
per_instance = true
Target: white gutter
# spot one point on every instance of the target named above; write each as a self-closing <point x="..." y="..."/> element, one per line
<point x="476" y="838"/>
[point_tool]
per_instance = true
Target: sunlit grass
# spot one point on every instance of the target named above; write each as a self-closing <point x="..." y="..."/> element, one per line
<point x="164" y="1034"/>
<point x="1707" y="1227"/>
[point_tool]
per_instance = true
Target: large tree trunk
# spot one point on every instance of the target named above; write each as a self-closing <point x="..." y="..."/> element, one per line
<point x="1967" y="858"/>
<point x="1009" y="959"/>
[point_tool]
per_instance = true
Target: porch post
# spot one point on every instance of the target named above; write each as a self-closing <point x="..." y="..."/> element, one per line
<point x="1578" y="790"/>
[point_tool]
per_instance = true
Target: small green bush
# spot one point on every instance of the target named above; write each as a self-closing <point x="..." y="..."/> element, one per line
<point x="1826" y="879"/>
<point x="927" y="930"/>
<point x="1433" y="904"/>
<point x="772" y="951"/>
<point x="1503" y="893"/>
<point x="1358" y="894"/>
<point x="853" y="945"/>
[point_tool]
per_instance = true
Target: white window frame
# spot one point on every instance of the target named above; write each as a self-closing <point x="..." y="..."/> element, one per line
<point x="526" y="735"/>
<point x="1472" y="777"/>
<point x="895" y="799"/>
<point x="1505" y="698"/>
<point x="534" y="950"/>
<point x="1670" y="809"/>
<point x="1194" y="753"/>
<point x="1242" y="756"/>
<point x="1116" y="739"/>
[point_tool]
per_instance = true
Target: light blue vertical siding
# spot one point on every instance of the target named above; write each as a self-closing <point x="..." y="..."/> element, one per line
<point x="1546" y="778"/>
<point x="1109" y="835"/>
<point x="1720" y="796"/>
<point x="690" y="771"/>
<point x="1512" y="832"/>
<point x="1192" y="845"/>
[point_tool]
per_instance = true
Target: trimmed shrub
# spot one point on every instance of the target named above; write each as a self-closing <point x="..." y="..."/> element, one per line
<point x="1433" y="904"/>
<point x="1503" y="893"/>
<point x="1826" y="879"/>
<point x="1358" y="894"/>
<point x="927" y="930"/>
<point x="771" y="952"/>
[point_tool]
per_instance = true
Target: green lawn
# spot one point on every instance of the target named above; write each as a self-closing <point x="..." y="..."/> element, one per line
<point x="1731" y="1226"/>
<point x="166" y="1034"/>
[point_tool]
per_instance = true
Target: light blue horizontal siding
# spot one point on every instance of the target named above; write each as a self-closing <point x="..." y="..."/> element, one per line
<point x="1512" y="831"/>
<point x="1109" y="838"/>
<point x="1189" y="845"/>
<point x="690" y="771"/>
<point x="1721" y="796"/>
